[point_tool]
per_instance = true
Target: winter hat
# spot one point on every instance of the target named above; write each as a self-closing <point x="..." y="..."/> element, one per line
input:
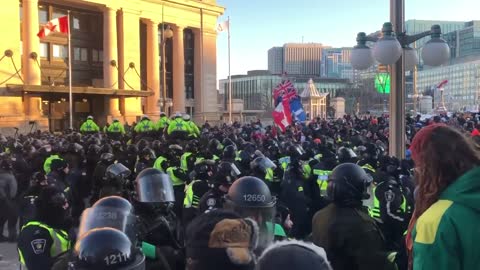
<point x="293" y="254"/>
<point x="58" y="164"/>
<point x="221" y="240"/>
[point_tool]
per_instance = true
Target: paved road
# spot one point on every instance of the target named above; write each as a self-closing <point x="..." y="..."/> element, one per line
<point x="9" y="256"/>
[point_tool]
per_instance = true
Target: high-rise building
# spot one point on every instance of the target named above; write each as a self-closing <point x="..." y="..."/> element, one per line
<point x="275" y="60"/>
<point x="464" y="43"/>
<point x="302" y="58"/>
<point x="336" y="63"/>
<point x="296" y="59"/>
<point x="418" y="26"/>
<point x="115" y="61"/>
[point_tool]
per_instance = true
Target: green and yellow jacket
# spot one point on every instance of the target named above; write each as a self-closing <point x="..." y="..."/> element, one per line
<point x="446" y="236"/>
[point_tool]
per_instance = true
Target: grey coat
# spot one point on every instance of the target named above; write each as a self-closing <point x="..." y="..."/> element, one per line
<point x="8" y="185"/>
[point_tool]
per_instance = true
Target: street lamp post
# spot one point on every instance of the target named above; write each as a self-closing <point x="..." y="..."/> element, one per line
<point x="392" y="49"/>
<point x="166" y="34"/>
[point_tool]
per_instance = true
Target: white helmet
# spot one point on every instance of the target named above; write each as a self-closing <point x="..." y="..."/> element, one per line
<point x="186" y="117"/>
<point x="90" y="117"/>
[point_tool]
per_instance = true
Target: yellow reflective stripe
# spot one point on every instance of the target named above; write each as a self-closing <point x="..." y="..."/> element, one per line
<point x="428" y="222"/>
<point x="183" y="161"/>
<point x="175" y="180"/>
<point x="269" y="175"/>
<point x="187" y="202"/>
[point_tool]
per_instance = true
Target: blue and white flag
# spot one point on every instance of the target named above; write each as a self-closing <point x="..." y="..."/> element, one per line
<point x="296" y="108"/>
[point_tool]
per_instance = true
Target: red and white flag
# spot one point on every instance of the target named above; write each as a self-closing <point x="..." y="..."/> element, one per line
<point x="58" y="25"/>
<point x="223" y="26"/>
<point x="282" y="116"/>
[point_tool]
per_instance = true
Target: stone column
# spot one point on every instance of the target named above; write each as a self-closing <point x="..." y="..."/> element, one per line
<point x="198" y="84"/>
<point x="178" y="70"/>
<point x="110" y="52"/>
<point x="153" y="70"/>
<point x="31" y="44"/>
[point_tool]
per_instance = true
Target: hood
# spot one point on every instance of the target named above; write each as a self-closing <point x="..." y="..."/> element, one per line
<point x="466" y="190"/>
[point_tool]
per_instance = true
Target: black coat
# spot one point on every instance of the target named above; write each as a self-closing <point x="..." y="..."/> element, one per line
<point x="351" y="239"/>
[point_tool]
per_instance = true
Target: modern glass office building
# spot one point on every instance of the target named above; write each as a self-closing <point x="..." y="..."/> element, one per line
<point x="462" y="90"/>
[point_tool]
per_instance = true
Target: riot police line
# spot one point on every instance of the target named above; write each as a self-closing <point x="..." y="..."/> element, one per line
<point x="125" y="200"/>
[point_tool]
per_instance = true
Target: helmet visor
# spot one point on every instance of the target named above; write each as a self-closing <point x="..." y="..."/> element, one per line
<point x="155" y="188"/>
<point x="108" y="217"/>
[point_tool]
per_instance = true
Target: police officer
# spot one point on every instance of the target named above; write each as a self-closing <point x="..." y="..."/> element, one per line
<point x="344" y="226"/>
<point x="145" y="127"/>
<point x="57" y="176"/>
<point x="263" y="168"/>
<point x="193" y="130"/>
<point x="194" y="191"/>
<point x="158" y="225"/>
<point x="106" y="159"/>
<point x="162" y="123"/>
<point x="48" y="162"/>
<point x="116" y="130"/>
<point x="178" y="177"/>
<point x="89" y="126"/>
<point x="250" y="197"/>
<point x="106" y="248"/>
<point x="220" y="183"/>
<point x="146" y="158"/>
<point x="43" y="241"/>
<point x="178" y="129"/>
<point x="295" y="193"/>
<point x="27" y="203"/>
<point x="115" y="181"/>
<point x="188" y="159"/>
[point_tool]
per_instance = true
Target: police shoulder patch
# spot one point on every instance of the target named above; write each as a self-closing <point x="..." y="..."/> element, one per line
<point x="38" y="245"/>
<point x="211" y="202"/>
<point x="389" y="196"/>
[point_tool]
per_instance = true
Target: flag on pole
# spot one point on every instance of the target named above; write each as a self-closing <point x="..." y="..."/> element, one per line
<point x="223" y="26"/>
<point x="58" y="25"/>
<point x="282" y="115"/>
<point x="284" y="88"/>
<point x="442" y="84"/>
<point x="297" y="109"/>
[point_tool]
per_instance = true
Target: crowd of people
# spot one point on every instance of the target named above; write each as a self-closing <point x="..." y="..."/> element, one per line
<point x="172" y="195"/>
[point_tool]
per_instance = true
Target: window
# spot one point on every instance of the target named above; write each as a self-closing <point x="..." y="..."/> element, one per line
<point x="80" y="54"/>
<point x="95" y="55"/>
<point x="57" y="13"/>
<point x="100" y="56"/>
<point x="76" y="23"/>
<point x="43" y="50"/>
<point x="60" y="51"/>
<point x="42" y="14"/>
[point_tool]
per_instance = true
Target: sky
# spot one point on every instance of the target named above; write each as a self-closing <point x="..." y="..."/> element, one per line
<point x="258" y="25"/>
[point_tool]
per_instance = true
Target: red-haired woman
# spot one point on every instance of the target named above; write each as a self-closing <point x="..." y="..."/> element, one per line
<point x="445" y="229"/>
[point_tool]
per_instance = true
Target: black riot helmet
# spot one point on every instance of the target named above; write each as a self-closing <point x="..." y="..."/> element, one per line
<point x="250" y="198"/>
<point x="229" y="152"/>
<point x="227" y="173"/>
<point x="118" y="172"/>
<point x="347" y="185"/>
<point x="250" y="192"/>
<point x="93" y="150"/>
<point x="76" y="149"/>
<point x="117" y="146"/>
<point x="154" y="187"/>
<point x="215" y="147"/>
<point x="113" y="212"/>
<point x="106" y="248"/>
<point x="346" y="155"/>
<point x="204" y="170"/>
<point x="147" y="153"/>
<point x="296" y="152"/>
<point x="261" y="165"/>
<point x="107" y="158"/>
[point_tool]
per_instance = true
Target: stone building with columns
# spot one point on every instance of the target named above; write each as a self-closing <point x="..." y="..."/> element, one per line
<point x="117" y="69"/>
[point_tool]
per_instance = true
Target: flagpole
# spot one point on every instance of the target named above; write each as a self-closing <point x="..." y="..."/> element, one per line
<point x="70" y="95"/>
<point x="229" y="77"/>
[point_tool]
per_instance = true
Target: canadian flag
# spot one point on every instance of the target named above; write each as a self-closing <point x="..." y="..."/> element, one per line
<point x="282" y="116"/>
<point x="59" y="25"/>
